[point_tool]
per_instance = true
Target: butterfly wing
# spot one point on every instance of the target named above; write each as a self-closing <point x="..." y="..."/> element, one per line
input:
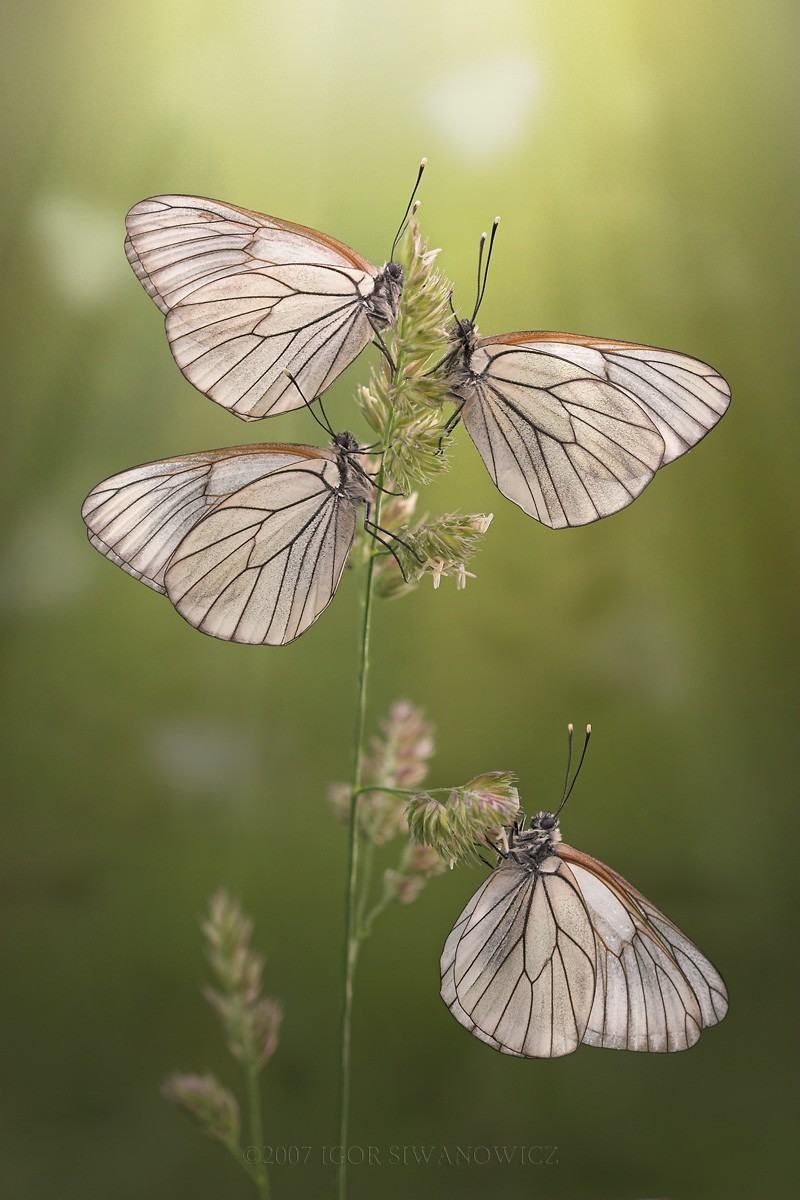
<point x="518" y="968"/>
<point x="683" y="396"/>
<point x="565" y="446"/>
<point x="572" y="429"/>
<point x="448" y="963"/>
<point x="247" y="297"/>
<point x="139" y="517"/>
<point x="267" y="560"/>
<point x="655" y="990"/>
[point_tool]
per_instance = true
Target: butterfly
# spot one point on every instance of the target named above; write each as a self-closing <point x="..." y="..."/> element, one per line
<point x="556" y="949"/>
<point x="249" y="542"/>
<point x="572" y="428"/>
<point x="248" y="297"/>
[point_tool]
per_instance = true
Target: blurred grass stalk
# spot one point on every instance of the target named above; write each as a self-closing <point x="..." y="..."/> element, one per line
<point x="400" y="403"/>
<point x="250" y="1022"/>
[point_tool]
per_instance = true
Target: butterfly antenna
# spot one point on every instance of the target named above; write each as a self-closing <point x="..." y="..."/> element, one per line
<point x="401" y="227"/>
<point x="326" y="425"/>
<point x="568" y="791"/>
<point x="325" y="416"/>
<point x="482" y="286"/>
<point x="450" y="302"/>
<point x="480" y="264"/>
<point x="570" y="732"/>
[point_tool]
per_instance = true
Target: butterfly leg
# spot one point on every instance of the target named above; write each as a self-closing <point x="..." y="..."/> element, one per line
<point x="381" y="345"/>
<point x="452" y="422"/>
<point x="371" y="527"/>
<point x="388" y="546"/>
<point x="496" y="849"/>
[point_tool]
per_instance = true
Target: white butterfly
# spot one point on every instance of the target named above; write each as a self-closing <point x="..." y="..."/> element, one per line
<point x="248" y="543"/>
<point x="247" y="297"/>
<point x="573" y="428"/>
<point x="556" y="949"/>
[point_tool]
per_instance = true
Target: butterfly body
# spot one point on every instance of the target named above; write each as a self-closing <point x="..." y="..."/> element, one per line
<point x="556" y="949"/>
<point x="247" y="297"/>
<point x="248" y="543"/>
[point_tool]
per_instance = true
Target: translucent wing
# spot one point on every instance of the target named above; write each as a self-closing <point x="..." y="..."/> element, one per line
<point x="565" y="446"/>
<point x="684" y="397"/>
<point x="655" y="990"/>
<point x="518" y="969"/>
<point x="247" y="296"/>
<point x="266" y="561"/>
<point x="448" y="963"/>
<point x="139" y="517"/>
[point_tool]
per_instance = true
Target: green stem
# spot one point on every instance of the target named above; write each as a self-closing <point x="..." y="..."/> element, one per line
<point x="364" y="888"/>
<point x="260" y="1177"/>
<point x="250" y="1169"/>
<point x="393" y="791"/>
<point x="351" y="933"/>
<point x="369" y="920"/>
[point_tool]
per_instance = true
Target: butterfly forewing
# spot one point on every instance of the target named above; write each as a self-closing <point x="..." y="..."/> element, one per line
<point x="683" y="396"/>
<point x="563" y="445"/>
<point x="266" y="562"/>
<point x="248" y="297"/>
<point x="656" y="991"/>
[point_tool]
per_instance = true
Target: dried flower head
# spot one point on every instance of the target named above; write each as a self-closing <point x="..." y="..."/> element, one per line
<point x="403" y="408"/>
<point x="417" y="865"/>
<point x="250" y="1021"/>
<point x="398" y="757"/>
<point x="472" y="816"/>
<point x="267" y="1018"/>
<point x="441" y="548"/>
<point x="206" y="1101"/>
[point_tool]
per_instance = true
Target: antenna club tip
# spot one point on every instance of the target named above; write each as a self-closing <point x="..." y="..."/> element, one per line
<point x="588" y="730"/>
<point x="423" y="162"/>
<point x="570" y="727"/>
<point x="496" y="222"/>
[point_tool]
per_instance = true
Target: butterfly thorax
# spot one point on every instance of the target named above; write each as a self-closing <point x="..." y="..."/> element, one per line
<point x="463" y="340"/>
<point x="384" y="302"/>
<point x="530" y="847"/>
<point x="355" y="483"/>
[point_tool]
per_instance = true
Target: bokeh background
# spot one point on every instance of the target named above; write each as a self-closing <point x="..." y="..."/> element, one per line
<point x="642" y="156"/>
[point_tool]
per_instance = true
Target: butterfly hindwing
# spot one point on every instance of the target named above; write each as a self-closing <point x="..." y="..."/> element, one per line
<point x="523" y="965"/>
<point x="139" y="517"/>
<point x="248" y="543"/>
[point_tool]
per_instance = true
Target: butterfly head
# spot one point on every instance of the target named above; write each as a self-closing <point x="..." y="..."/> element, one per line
<point x="346" y="443"/>
<point x="462" y="335"/>
<point x="529" y="844"/>
<point x="544" y="826"/>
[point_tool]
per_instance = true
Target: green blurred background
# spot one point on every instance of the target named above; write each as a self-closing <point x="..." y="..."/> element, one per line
<point x="642" y="157"/>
